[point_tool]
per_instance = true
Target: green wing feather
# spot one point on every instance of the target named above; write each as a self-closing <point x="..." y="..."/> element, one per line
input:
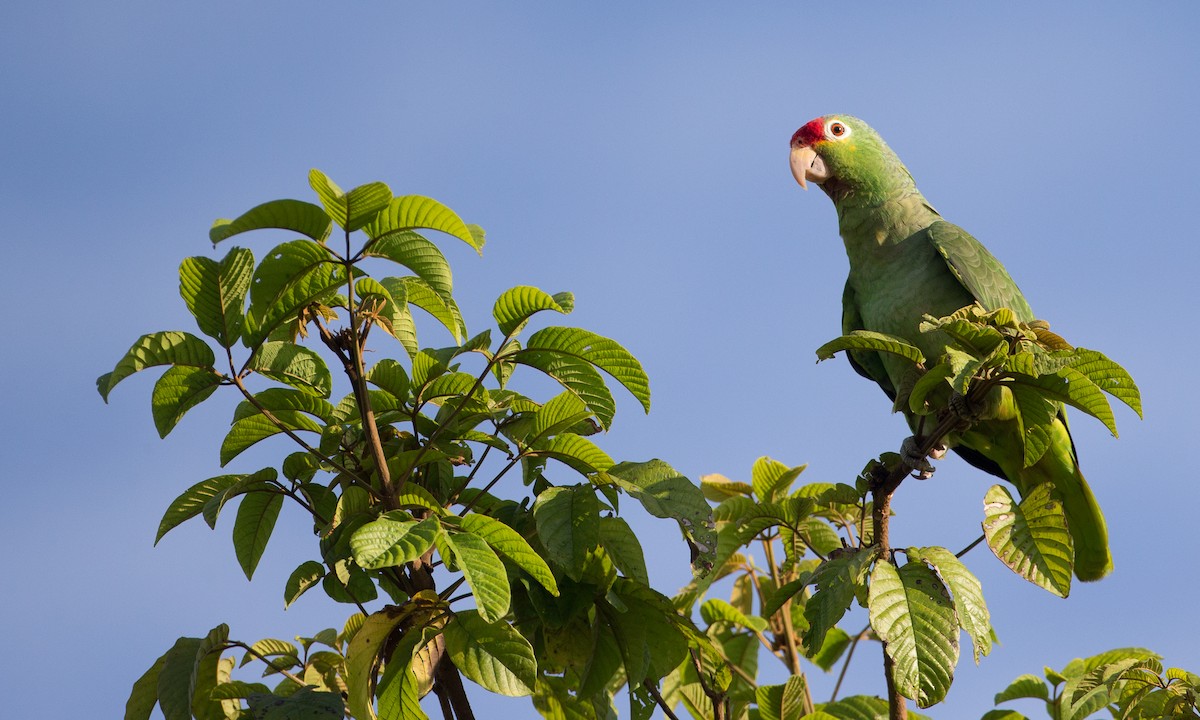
<point x="978" y="270"/>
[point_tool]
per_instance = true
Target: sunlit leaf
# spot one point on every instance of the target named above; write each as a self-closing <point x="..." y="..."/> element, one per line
<point x="293" y="365"/>
<point x="771" y="479"/>
<point x="191" y="502"/>
<point x="624" y="548"/>
<point x="912" y="612"/>
<point x="868" y="340"/>
<point x="285" y="399"/>
<point x="408" y="212"/>
<point x="362" y="657"/>
<point x="516" y="305"/>
<point x="308" y="574"/>
<point x="250" y="430"/>
<point x="175" y="679"/>
<point x="255" y="522"/>
<point x="291" y="277"/>
<point x="512" y="545"/>
<point x="484" y="572"/>
<point x="1031" y="538"/>
<point x="568" y="524"/>
<point x="154" y="349"/>
<point x="215" y="293"/>
<point x="605" y="354"/>
<point x="387" y="543"/>
<point x="718" y="610"/>
<point x="1036" y="415"/>
<point x="1072" y="387"/>
<point x="667" y="494"/>
<point x="967" y="593"/>
<point x="417" y="292"/>
<point x="178" y="390"/>
<point x="1025" y="686"/>
<point x="416" y="253"/>
<point x="295" y="215"/>
<point x="494" y="655"/>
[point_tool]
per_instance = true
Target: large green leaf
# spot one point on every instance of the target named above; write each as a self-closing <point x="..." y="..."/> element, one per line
<point x="408" y="212"/>
<point x="667" y="494"/>
<point x="416" y="253"/>
<point x="391" y="377"/>
<point x="512" y="545"/>
<point x="624" y="548"/>
<point x="868" y="340"/>
<point x="175" y="679"/>
<point x="1106" y="374"/>
<point x="1035" y="415"/>
<point x="215" y="293"/>
<point x="296" y="215"/>
<point x="771" y="479"/>
<point x="255" y="522"/>
<point x="180" y="389"/>
<point x="209" y="671"/>
<point x="972" y="612"/>
<point x="494" y="655"/>
<point x="578" y="452"/>
<point x="388" y="543"/>
<point x="576" y="375"/>
<point x="417" y="292"/>
<point x="568" y="524"/>
<point x="144" y="694"/>
<point x="263" y="479"/>
<point x="912" y="613"/>
<point x="600" y="351"/>
<point x="252" y="429"/>
<point x="284" y="400"/>
<point x="644" y="624"/>
<point x="305" y="576"/>
<point x="1072" y="387"/>
<point x="1025" y="686"/>
<point x="516" y="305"/>
<point x="293" y="365"/>
<point x="837" y="580"/>
<point x="484" y="572"/>
<point x="362" y="657"/>
<point x="191" y="502"/>
<point x="783" y="702"/>
<point x="306" y="703"/>
<point x="291" y="277"/>
<point x="718" y="610"/>
<point x="154" y="349"/>
<point x="1031" y="538"/>
<point x="354" y="209"/>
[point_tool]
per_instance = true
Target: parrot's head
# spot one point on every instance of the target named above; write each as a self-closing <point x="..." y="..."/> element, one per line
<point x="846" y="158"/>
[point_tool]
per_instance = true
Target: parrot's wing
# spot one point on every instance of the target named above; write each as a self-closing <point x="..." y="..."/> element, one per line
<point x="865" y="362"/>
<point x="978" y="270"/>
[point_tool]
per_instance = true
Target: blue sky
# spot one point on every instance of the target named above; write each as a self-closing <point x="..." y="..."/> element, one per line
<point x="635" y="154"/>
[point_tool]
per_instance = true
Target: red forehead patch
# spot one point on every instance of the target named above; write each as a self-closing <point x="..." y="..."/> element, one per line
<point x="812" y="131"/>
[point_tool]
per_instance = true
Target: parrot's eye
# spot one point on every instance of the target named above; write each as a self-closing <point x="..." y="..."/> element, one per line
<point x="838" y="130"/>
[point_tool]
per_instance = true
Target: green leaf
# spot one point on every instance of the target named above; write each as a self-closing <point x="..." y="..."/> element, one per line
<point x="295" y="215"/>
<point x="1036" y="416"/>
<point x="350" y="210"/>
<point x="255" y="522"/>
<point x="362" y="657"/>
<point x="175" y="679"/>
<point x="144" y="694"/>
<point x="238" y="689"/>
<point x="416" y="253"/>
<point x="275" y="400"/>
<point x="516" y="305"/>
<point x="180" y="389"/>
<point x="972" y="612"/>
<point x="937" y="375"/>
<point x="1031" y="538"/>
<point x="484" y="572"/>
<point x="293" y="365"/>
<point x="868" y="340"/>
<point x="624" y="549"/>
<point x="290" y="278"/>
<point x="1072" y="387"/>
<point x="390" y="376"/>
<point x="1106" y="374"/>
<point x="578" y="452"/>
<point x="576" y="375"/>
<point x="605" y="354"/>
<point x="494" y="655"/>
<point x="409" y="212"/>
<point x="664" y="493"/>
<point x="160" y="348"/>
<point x="512" y="545"/>
<point x="250" y="430"/>
<point x="207" y="673"/>
<point x="912" y="613"/>
<point x="644" y="623"/>
<point x="215" y="293"/>
<point x="263" y="479"/>
<point x="308" y="574"/>
<point x="388" y="543"/>
<point x="568" y="524"/>
<point x="836" y="581"/>
<point x="783" y="702"/>
<point x="1003" y="715"/>
<point x="1025" y="686"/>
<point x="771" y="478"/>
<point x="718" y="610"/>
<point x="191" y="502"/>
<point x="417" y="292"/>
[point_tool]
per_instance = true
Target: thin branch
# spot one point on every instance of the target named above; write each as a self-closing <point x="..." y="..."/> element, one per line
<point x="970" y="547"/>
<point x="846" y="665"/>
<point x="658" y="699"/>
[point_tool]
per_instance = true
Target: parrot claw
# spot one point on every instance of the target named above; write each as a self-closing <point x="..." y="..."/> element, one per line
<point x="912" y="455"/>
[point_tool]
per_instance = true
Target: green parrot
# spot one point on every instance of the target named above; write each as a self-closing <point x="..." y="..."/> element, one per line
<point x="906" y="262"/>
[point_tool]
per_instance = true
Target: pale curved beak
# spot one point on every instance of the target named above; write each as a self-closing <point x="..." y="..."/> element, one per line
<point x="808" y="165"/>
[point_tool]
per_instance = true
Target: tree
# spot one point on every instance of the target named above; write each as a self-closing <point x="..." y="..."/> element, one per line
<point x="409" y="480"/>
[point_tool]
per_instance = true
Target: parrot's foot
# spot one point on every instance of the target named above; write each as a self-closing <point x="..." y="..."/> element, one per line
<point x="912" y="455"/>
<point x="967" y="411"/>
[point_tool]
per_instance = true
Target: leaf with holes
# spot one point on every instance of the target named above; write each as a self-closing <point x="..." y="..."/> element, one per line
<point x="911" y="611"/>
<point x="1031" y="538"/>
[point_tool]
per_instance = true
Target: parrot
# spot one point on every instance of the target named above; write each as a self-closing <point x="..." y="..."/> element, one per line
<point x="907" y="262"/>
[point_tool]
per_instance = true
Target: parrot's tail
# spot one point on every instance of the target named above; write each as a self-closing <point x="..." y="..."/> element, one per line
<point x="1084" y="518"/>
